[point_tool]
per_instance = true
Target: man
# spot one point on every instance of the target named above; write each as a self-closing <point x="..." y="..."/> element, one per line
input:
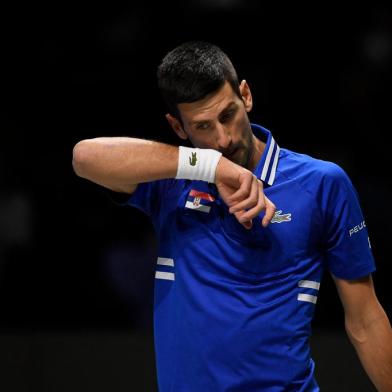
<point x="237" y="278"/>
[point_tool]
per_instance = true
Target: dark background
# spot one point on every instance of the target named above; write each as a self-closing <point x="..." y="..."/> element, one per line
<point x="76" y="271"/>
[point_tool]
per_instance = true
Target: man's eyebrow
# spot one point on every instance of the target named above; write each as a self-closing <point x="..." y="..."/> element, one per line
<point x="229" y="106"/>
<point x="199" y="122"/>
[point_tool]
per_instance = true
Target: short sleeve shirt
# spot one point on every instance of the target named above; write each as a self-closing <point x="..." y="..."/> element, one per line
<point x="233" y="307"/>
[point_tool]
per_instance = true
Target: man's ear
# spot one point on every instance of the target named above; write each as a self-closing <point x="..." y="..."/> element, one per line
<point x="176" y="125"/>
<point x="246" y="95"/>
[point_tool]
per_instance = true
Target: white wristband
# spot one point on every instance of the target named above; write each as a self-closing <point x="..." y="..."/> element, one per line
<point x="197" y="164"/>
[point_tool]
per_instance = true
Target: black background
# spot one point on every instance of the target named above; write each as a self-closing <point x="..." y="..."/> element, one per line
<point x="70" y="260"/>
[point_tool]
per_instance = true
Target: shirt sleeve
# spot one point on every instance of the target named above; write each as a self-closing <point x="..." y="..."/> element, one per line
<point x="346" y="239"/>
<point x="147" y="197"/>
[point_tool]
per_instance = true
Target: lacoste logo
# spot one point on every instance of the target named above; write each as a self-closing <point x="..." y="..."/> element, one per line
<point x="193" y="161"/>
<point x="279" y="218"/>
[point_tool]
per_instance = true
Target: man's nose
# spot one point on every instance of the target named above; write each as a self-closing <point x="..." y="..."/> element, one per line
<point x="223" y="138"/>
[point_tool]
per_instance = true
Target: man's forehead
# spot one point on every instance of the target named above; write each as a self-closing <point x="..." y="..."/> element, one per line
<point x="197" y="111"/>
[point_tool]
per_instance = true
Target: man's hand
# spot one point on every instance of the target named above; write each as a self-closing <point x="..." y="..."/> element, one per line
<point x="243" y="193"/>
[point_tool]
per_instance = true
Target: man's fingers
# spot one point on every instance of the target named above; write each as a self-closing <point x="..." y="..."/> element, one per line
<point x="244" y="189"/>
<point x="250" y="201"/>
<point x="245" y="216"/>
<point x="247" y="223"/>
<point x="260" y="206"/>
<point x="269" y="212"/>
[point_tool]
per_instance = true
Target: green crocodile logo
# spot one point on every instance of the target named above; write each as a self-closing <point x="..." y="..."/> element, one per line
<point x="193" y="161"/>
<point x="278" y="218"/>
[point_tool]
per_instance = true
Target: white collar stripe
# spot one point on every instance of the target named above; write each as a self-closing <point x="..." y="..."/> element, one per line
<point x="274" y="165"/>
<point x="267" y="160"/>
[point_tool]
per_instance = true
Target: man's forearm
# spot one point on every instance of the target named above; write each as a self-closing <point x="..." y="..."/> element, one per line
<point x="115" y="162"/>
<point x="120" y="163"/>
<point x="373" y="344"/>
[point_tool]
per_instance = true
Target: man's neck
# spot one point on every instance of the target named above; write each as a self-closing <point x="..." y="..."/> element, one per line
<point x="258" y="149"/>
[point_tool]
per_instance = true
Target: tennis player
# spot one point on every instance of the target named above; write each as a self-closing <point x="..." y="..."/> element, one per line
<point x="246" y="230"/>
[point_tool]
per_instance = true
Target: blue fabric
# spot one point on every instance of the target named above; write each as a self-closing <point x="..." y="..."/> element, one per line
<point x="232" y="311"/>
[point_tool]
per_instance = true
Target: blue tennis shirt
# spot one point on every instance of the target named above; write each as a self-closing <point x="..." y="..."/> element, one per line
<point x="233" y="307"/>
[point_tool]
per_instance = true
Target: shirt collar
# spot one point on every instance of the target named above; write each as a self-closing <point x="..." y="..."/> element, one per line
<point x="266" y="168"/>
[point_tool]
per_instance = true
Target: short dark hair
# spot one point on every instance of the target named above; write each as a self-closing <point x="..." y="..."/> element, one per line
<point x="193" y="70"/>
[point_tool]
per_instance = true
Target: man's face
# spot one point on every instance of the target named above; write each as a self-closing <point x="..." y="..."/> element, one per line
<point x="219" y="121"/>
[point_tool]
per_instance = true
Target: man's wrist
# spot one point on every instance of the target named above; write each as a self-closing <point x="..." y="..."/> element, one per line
<point x="197" y="164"/>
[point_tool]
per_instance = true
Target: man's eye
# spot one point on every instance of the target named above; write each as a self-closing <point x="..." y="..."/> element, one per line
<point x="227" y="116"/>
<point x="203" y="126"/>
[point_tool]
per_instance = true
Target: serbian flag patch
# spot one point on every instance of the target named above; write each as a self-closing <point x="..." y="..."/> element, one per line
<point x="200" y="201"/>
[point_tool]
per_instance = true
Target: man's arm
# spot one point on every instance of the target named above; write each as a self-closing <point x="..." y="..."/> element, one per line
<point x="120" y="163"/>
<point x="368" y="328"/>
